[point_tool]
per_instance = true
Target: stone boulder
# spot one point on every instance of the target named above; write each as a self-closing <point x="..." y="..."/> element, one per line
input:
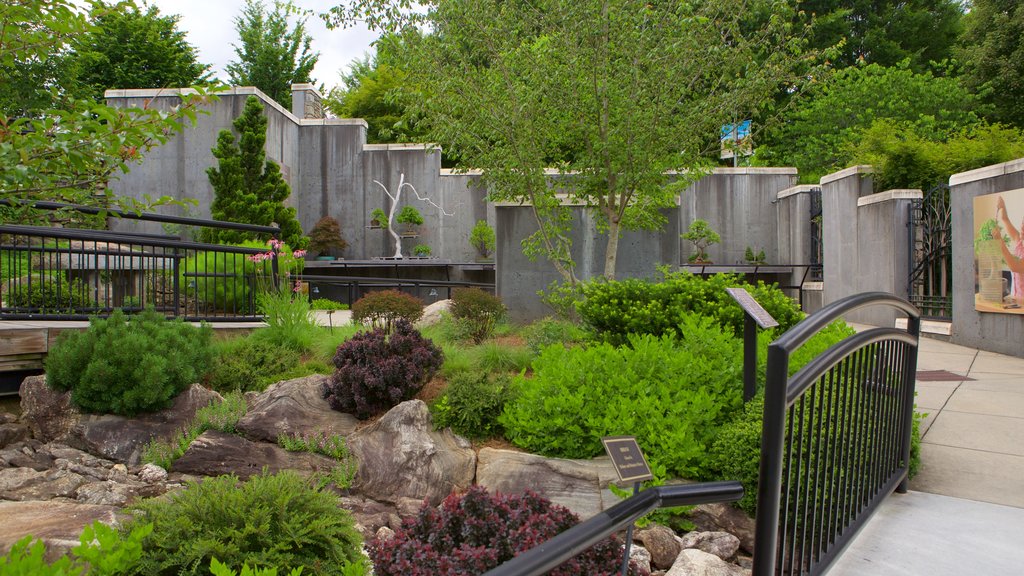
<point x="294" y="407"/>
<point x="662" y="543"/>
<point x="433" y="313"/>
<point x="11" y="430"/>
<point x="721" y="544"/>
<point x="579" y="485"/>
<point x="402" y="456"/>
<point x="720" y="517"/>
<point x="215" y="453"/>
<point x="57" y="524"/>
<point x="51" y="417"/>
<point x="693" y="562"/>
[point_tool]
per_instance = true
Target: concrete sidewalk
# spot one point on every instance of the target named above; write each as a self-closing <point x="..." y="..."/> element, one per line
<point x="965" y="511"/>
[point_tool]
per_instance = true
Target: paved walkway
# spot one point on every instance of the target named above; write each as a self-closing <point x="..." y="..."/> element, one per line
<point x="965" y="511"/>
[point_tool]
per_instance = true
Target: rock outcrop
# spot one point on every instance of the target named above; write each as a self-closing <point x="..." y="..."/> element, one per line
<point x="294" y="407"/>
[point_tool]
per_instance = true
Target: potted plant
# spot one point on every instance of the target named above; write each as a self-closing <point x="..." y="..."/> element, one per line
<point x="411" y="218"/>
<point x="325" y="239"/>
<point x="421" y="250"/>
<point x="482" y="238"/>
<point x="754" y="259"/>
<point x="378" y="219"/>
<point x="701" y="236"/>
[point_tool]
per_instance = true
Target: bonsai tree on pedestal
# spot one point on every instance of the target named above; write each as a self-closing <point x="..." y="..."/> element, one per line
<point x="701" y="236"/>
<point x="325" y="238"/>
<point x="411" y="217"/>
<point x="421" y="250"/>
<point x="378" y="218"/>
<point x="482" y="238"/>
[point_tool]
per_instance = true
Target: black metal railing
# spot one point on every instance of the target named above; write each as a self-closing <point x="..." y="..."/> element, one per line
<point x="931" y="254"/>
<point x="544" y="557"/>
<point x="836" y="437"/>
<point x="51" y="273"/>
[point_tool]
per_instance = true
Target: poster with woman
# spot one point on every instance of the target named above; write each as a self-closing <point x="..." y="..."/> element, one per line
<point x="999" y="252"/>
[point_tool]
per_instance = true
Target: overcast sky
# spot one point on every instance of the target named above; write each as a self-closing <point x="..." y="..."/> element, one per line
<point x="210" y="27"/>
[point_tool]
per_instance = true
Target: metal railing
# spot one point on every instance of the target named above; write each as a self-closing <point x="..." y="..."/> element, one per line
<point x="836" y="437"/>
<point x="544" y="557"/>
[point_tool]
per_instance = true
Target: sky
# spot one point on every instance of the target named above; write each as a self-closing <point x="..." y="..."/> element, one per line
<point x="210" y="27"/>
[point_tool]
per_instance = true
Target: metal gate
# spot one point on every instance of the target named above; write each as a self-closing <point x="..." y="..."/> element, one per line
<point x="930" y="286"/>
<point x="816" y="272"/>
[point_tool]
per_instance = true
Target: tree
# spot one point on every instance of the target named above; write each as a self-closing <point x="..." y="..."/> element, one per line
<point x="272" y="55"/>
<point x="993" y="52"/>
<point x="886" y="32"/>
<point x="818" y="134"/>
<point x="247" y="186"/>
<point x="59" y="147"/>
<point x="129" y="48"/>
<point x="615" y="94"/>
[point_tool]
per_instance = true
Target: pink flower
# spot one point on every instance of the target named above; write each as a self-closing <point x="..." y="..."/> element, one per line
<point x="299" y="253"/>
<point x="297" y="287"/>
<point x="275" y="243"/>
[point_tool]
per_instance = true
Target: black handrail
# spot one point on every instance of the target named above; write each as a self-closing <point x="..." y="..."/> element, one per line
<point x="549" y="555"/>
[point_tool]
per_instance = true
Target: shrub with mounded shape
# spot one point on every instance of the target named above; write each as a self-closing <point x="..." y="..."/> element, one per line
<point x="382" y="308"/>
<point x="268" y="521"/>
<point x="472" y="403"/>
<point x="376" y="371"/>
<point x="475" y="532"/>
<point x="125" y="366"/>
<point x="476" y="312"/>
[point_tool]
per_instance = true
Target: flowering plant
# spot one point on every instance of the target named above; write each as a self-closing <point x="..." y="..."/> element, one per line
<point x="290" y="263"/>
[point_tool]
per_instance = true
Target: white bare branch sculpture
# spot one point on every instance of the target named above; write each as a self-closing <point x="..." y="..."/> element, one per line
<point x="394" y="206"/>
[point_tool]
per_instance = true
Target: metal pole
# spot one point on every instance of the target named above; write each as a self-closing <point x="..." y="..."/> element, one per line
<point x="749" y="358"/>
<point x="629" y="537"/>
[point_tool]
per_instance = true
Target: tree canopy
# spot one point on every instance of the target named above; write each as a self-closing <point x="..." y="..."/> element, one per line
<point x="992" y="49"/>
<point x="272" y="54"/>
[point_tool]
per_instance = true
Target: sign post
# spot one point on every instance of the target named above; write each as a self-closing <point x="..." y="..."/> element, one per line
<point x="754" y="315"/>
<point x="631" y="466"/>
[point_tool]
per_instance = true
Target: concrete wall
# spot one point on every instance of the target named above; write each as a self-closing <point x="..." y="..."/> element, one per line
<point x="793" y="217"/>
<point x="1003" y="333"/>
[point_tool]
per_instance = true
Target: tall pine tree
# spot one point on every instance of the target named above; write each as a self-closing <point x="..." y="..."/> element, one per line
<point x="248" y="187"/>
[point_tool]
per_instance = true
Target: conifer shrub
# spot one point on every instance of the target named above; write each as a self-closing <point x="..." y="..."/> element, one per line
<point x="130" y="365"/>
<point x="249" y="364"/>
<point x="476" y="312"/>
<point x="475" y="532"/>
<point x="383" y="308"/>
<point x="472" y="403"/>
<point x="376" y="371"/>
<point x="268" y="521"/>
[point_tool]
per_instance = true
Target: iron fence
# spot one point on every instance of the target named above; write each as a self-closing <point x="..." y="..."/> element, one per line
<point x="836" y="437"/>
<point x="931" y="254"/>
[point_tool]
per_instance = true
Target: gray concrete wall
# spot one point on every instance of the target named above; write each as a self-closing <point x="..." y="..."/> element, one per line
<point x="739" y="204"/>
<point x="883" y="258"/>
<point x="793" y="217"/>
<point x="1003" y="333"/>
<point x="839" y="194"/>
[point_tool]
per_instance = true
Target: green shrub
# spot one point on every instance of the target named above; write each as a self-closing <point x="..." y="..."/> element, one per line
<point x="288" y="321"/>
<point x="101" y="551"/>
<point x="221" y="416"/>
<point x="482" y="238"/>
<point x="265" y="522"/>
<point x="250" y="364"/>
<point x="327" y="304"/>
<point x="126" y="366"/>
<point x="548" y="331"/>
<point x="409" y="215"/>
<point x="224" y="281"/>
<point x="219" y="569"/>
<point x="618" y="308"/>
<point x="472" y="403"/>
<point x="50" y="293"/>
<point x="476" y="312"/>
<point x="381" y="309"/>
<point x="670" y="393"/>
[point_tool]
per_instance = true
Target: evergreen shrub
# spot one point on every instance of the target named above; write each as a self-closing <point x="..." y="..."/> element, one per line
<point x="381" y="309"/>
<point x="50" y="294"/>
<point x="471" y="404"/>
<point x="475" y="532"/>
<point x="268" y="521"/>
<point x="670" y="392"/>
<point x="376" y="371"/>
<point x="130" y="365"/>
<point x="250" y="364"/>
<point x="476" y="312"/>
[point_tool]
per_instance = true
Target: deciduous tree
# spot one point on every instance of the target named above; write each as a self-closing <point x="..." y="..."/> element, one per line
<point x="993" y="53"/>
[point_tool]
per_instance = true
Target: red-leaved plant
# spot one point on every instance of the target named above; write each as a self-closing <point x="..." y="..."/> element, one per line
<point x="475" y="532"/>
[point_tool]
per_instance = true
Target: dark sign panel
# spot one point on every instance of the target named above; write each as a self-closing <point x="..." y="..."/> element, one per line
<point x="751" y="307"/>
<point x="629" y="461"/>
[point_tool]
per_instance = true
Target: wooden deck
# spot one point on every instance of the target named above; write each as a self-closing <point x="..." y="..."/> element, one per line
<point x="24" y="343"/>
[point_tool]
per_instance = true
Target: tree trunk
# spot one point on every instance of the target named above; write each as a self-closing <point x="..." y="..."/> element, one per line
<point x="612" y="251"/>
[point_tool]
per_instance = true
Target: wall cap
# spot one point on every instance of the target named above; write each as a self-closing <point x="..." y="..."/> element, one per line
<point x="987" y="172"/>
<point x="401" y="146"/>
<point x="168" y="92"/>
<point x="890" y="195"/>
<point x="755" y="170"/>
<point x="794" y="190"/>
<point x="846" y="173"/>
<point x="333" y="122"/>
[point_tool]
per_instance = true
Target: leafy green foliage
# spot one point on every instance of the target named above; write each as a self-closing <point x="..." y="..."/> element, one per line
<point x="616" y="309"/>
<point x="219" y="569"/>
<point x="735" y="453"/>
<point x="476" y="312"/>
<point x="222" y="416"/>
<point x="671" y="393"/>
<point x="102" y="551"/>
<point x="250" y="364"/>
<point x="50" y="293"/>
<point x="383" y="308"/>
<point x="265" y="522"/>
<point x="421" y="250"/>
<point x="325" y="237"/>
<point x="288" y="321"/>
<point x="327" y="304"/>
<point x="409" y="215"/>
<point x="482" y="238"/>
<point x="272" y="55"/>
<point x="472" y="403"/>
<point x="993" y="56"/>
<point x="126" y="366"/>
<point x="247" y="186"/>
<point x="701" y="236"/>
<point x="550" y="331"/>
<point x="472" y="533"/>
<point x="330" y="445"/>
<point x="223" y="281"/>
<point x="377" y="215"/>
<point x="376" y="371"/>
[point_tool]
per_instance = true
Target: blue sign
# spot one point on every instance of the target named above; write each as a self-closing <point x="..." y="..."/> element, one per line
<point x="736" y="132"/>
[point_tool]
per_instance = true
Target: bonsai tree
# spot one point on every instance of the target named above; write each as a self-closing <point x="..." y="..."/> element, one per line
<point x="482" y="238"/>
<point x="325" y="237"/>
<point x="409" y="216"/>
<point x="378" y="217"/>
<point x="701" y="236"/>
<point x="755" y="259"/>
<point x="421" y="250"/>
